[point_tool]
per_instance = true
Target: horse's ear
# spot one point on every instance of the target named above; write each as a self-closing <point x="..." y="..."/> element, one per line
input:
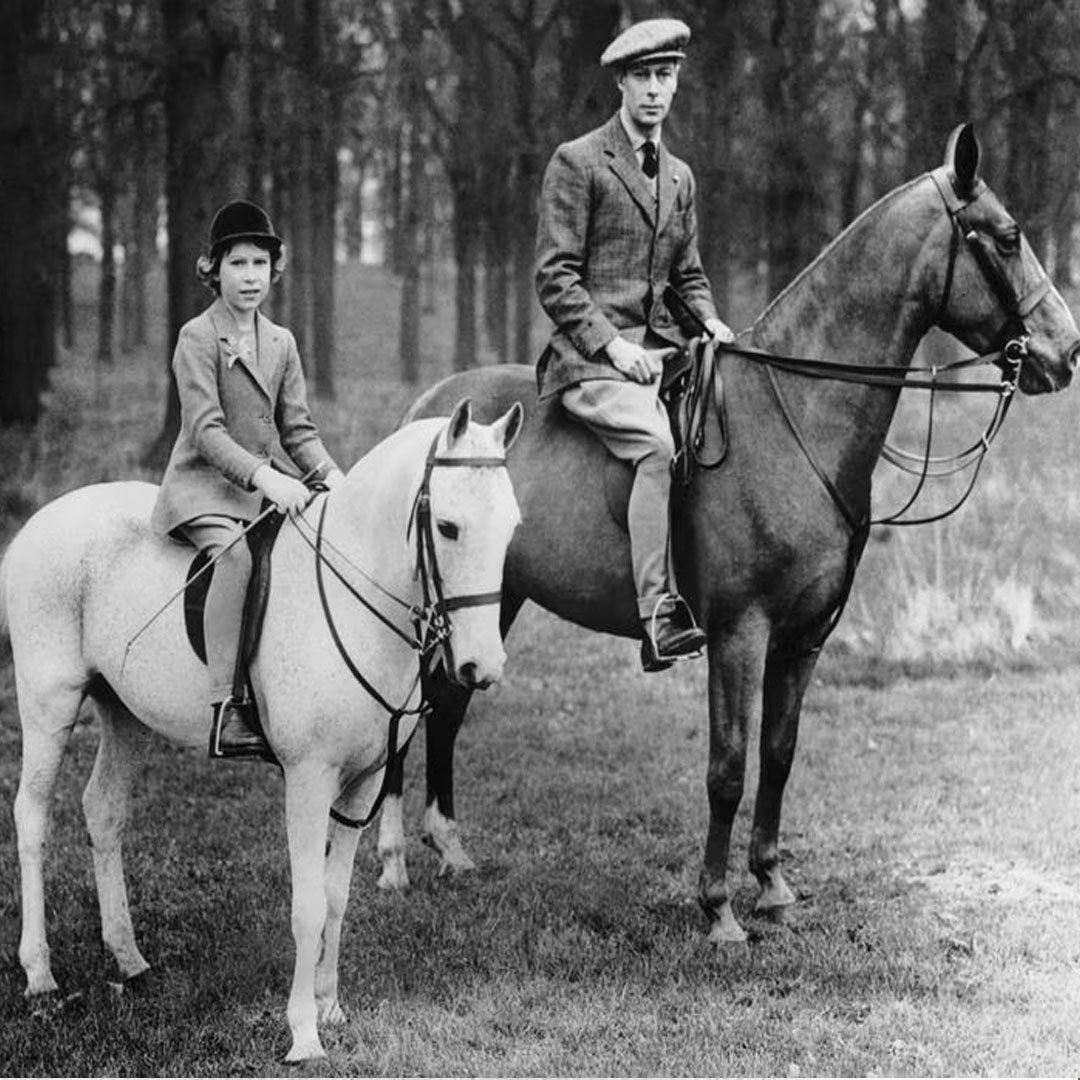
<point x="508" y="426"/>
<point x="459" y="421"/>
<point x="962" y="153"/>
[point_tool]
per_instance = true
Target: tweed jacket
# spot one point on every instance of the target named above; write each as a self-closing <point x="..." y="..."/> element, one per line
<point x="605" y="249"/>
<point x="236" y="413"/>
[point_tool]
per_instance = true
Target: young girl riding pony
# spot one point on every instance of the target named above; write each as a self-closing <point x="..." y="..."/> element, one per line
<point x="245" y="430"/>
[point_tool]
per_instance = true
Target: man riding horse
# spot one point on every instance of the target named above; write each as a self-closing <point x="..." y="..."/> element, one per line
<point x="617" y="224"/>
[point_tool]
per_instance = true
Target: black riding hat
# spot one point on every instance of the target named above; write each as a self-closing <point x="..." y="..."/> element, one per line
<point x="242" y="220"/>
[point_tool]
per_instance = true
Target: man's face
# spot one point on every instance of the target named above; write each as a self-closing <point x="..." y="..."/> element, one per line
<point x="647" y="91"/>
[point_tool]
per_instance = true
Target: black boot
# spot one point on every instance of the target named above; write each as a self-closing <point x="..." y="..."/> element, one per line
<point x="235" y="732"/>
<point x="670" y="634"/>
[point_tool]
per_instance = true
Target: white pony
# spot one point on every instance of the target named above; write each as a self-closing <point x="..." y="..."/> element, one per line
<point x="405" y="541"/>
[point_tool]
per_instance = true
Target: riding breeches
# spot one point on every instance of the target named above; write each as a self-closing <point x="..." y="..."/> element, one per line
<point x="224" y="610"/>
<point x="631" y="421"/>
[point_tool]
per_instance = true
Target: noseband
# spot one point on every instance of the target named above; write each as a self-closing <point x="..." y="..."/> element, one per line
<point x="437" y="627"/>
<point x="431" y="624"/>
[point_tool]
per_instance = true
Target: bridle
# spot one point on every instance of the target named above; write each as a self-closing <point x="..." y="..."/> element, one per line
<point x="430" y="631"/>
<point x="1009" y="358"/>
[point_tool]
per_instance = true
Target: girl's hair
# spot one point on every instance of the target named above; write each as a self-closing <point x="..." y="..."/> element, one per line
<point x="208" y="267"/>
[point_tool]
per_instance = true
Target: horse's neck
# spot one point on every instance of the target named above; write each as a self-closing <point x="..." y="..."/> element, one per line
<point x="864" y="300"/>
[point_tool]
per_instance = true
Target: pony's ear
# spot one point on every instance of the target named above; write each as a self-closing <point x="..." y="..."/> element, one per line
<point x="508" y="426"/>
<point x="962" y="153"/>
<point x="459" y="421"/>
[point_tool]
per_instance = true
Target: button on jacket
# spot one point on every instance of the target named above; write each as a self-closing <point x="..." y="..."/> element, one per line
<point x="606" y="246"/>
<point x="236" y="413"/>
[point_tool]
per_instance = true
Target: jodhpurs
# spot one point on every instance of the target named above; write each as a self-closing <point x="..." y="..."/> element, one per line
<point x="224" y="612"/>
<point x="632" y="423"/>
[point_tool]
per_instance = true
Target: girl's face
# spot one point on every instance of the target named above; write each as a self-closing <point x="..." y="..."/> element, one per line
<point x="245" y="276"/>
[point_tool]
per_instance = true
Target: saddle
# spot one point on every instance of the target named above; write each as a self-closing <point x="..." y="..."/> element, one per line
<point x="261" y="541"/>
<point x="693" y="394"/>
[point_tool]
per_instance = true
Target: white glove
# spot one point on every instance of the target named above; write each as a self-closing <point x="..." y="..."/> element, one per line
<point x="287" y="494"/>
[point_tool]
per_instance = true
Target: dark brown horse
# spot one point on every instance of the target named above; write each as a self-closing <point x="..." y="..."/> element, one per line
<point x="765" y="544"/>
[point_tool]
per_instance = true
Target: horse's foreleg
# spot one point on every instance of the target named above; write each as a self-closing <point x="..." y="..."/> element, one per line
<point x="105" y="807"/>
<point x="736" y="664"/>
<point x="440" y="829"/>
<point x="47" y="721"/>
<point x="786" y="679"/>
<point x="340" y="854"/>
<point x="391" y="843"/>
<point x="309" y="791"/>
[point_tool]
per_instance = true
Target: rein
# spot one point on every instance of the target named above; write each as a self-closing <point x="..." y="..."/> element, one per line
<point x="432" y="627"/>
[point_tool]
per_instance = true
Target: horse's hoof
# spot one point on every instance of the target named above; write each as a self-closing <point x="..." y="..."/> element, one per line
<point x="455" y="862"/>
<point x="726" y="930"/>
<point x="773" y="898"/>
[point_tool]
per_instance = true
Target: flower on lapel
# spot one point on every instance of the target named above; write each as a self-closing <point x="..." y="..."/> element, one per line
<point x="234" y="350"/>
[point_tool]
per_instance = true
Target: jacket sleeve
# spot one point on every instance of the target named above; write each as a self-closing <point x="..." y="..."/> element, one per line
<point x="296" y="428"/>
<point x="195" y="365"/>
<point x="561" y="257"/>
<point x="687" y="274"/>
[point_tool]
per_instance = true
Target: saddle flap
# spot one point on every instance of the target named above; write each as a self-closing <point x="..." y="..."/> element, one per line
<point x="261" y="541"/>
<point x="694" y="396"/>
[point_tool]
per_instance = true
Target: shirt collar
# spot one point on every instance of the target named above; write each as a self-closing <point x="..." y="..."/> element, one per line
<point x="637" y="140"/>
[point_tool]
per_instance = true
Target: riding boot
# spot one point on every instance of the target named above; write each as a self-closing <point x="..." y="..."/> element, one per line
<point x="669" y="631"/>
<point x="235" y="731"/>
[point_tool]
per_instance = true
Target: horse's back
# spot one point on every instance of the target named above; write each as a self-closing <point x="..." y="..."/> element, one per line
<point x="572" y="557"/>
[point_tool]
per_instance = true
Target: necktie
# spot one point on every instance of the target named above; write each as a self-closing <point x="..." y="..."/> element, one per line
<point x="650" y="163"/>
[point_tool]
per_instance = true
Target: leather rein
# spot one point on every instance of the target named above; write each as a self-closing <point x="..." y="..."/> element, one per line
<point x="1009" y="359"/>
<point x="431" y="628"/>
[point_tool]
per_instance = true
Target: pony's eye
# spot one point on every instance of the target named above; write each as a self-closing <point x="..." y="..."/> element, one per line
<point x="448" y="529"/>
<point x="1008" y="242"/>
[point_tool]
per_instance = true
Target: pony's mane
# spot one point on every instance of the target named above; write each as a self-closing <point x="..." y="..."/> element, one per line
<point x="840" y="238"/>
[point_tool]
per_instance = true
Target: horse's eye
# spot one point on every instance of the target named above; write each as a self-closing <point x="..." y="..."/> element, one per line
<point x="448" y="529"/>
<point x="1008" y="242"/>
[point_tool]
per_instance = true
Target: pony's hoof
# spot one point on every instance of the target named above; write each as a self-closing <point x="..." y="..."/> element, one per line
<point x="394" y="876"/>
<point x="332" y="1014"/>
<point x="305" y="1050"/>
<point x="455" y="862"/>
<point x="36" y="985"/>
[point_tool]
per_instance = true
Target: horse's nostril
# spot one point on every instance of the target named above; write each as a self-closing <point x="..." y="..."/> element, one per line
<point x="467" y="674"/>
<point x="1074" y="357"/>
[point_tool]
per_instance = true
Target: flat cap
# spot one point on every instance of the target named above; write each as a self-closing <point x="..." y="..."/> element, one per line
<point x="652" y="39"/>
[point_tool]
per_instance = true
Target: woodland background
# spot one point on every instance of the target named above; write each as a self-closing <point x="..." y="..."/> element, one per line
<point x="413" y="133"/>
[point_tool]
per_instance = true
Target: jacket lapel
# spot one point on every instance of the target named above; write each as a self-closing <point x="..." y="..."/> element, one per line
<point x="229" y="344"/>
<point x="667" y="189"/>
<point x="624" y="164"/>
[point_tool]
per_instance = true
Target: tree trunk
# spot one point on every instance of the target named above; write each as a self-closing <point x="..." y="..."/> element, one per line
<point x="32" y="227"/>
<point x="205" y="160"/>
<point x="107" y="285"/>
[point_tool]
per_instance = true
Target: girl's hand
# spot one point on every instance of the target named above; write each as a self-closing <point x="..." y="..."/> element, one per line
<point x="287" y="494"/>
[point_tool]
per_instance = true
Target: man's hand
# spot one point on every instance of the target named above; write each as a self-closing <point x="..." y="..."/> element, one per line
<point x="720" y="330"/>
<point x="637" y="364"/>
<point x="286" y="493"/>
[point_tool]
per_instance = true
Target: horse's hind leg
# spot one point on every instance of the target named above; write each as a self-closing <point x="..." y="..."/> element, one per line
<point x="440" y="829"/>
<point x="105" y="807"/>
<point x="786" y="680"/>
<point x="391" y="843"/>
<point x="47" y="720"/>
<point x="449" y="705"/>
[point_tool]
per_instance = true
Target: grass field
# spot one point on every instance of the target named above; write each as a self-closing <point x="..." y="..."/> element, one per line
<point x="932" y="827"/>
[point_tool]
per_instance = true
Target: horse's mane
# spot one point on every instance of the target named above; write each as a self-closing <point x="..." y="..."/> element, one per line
<point x="842" y="237"/>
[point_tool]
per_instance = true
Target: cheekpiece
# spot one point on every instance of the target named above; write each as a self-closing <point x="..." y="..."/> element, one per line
<point x="241" y="220"/>
<point x="650" y="40"/>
